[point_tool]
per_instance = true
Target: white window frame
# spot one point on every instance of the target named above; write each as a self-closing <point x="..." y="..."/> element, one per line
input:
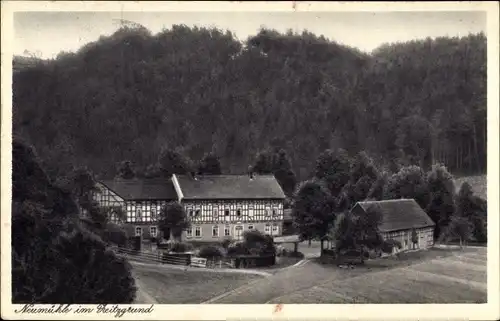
<point x="155" y="229"/>
<point x="250" y="211"/>
<point x="240" y="235"/>
<point x="138" y="214"/>
<point x="268" y="211"/>
<point x="197" y="228"/>
<point x="275" y="212"/>
<point x="215" y="228"/>
<point x="267" y="229"/>
<point x="113" y="217"/>
<point x="154" y="214"/>
<point x="215" y="213"/>
<point x="274" y="229"/>
<point x="189" y="233"/>
<point x="227" y="230"/>
<point x="138" y="228"/>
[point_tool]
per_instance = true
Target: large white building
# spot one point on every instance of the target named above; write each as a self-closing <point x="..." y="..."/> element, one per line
<point x="218" y="206"/>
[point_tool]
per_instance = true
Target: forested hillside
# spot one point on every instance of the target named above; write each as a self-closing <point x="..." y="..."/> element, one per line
<point x="127" y="96"/>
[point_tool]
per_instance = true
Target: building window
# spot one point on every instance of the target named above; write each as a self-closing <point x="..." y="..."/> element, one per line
<point x="250" y="227"/>
<point x="146" y="214"/>
<point x="113" y="217"/>
<point x="226" y="212"/>
<point x="275" y="229"/>
<point x="153" y="231"/>
<point x="215" y="213"/>
<point x="267" y="229"/>
<point x="238" y="232"/>
<point x="138" y="231"/>
<point x="138" y="215"/>
<point x="250" y="211"/>
<point x="268" y="211"/>
<point x="189" y="232"/>
<point x="227" y="230"/>
<point x="153" y="214"/>
<point x="197" y="231"/>
<point x="215" y="231"/>
<point x="197" y="213"/>
<point x="275" y="212"/>
<point x="191" y="212"/>
<point x="238" y="212"/>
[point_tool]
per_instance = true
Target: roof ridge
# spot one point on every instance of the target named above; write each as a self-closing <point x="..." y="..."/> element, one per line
<point x="388" y="201"/>
<point x="223" y="175"/>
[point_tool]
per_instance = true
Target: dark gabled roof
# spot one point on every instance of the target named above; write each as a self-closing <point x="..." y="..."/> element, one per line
<point x="229" y="187"/>
<point x="142" y="189"/>
<point x="401" y="214"/>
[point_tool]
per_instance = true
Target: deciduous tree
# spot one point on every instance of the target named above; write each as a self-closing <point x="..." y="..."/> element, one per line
<point x="125" y="170"/>
<point x="209" y="165"/>
<point x="441" y="204"/>
<point x="312" y="210"/>
<point x="173" y="220"/>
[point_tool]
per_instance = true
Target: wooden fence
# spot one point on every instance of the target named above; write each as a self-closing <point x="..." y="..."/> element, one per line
<point x="163" y="257"/>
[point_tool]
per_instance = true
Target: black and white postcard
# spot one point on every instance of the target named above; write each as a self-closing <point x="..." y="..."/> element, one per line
<point x="250" y="160"/>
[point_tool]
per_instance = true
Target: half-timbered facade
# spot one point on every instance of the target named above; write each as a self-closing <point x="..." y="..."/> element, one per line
<point x="224" y="206"/>
<point x="135" y="203"/>
<point x="400" y="219"/>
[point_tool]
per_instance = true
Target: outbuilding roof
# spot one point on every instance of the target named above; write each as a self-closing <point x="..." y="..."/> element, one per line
<point x="399" y="214"/>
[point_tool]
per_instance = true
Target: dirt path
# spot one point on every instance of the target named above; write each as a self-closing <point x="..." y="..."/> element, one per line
<point x="307" y="275"/>
<point x="429" y="284"/>
<point x="142" y="297"/>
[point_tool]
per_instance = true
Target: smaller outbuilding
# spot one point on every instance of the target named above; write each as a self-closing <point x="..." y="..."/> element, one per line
<point x="403" y="220"/>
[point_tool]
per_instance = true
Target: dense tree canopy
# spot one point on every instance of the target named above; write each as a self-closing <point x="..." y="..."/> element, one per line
<point x="276" y="162"/>
<point x="209" y="165"/>
<point x="199" y="90"/>
<point x="55" y="259"/>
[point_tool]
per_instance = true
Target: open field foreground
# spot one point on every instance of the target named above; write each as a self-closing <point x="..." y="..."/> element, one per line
<point x="460" y="278"/>
<point x="439" y="275"/>
<point x="174" y="286"/>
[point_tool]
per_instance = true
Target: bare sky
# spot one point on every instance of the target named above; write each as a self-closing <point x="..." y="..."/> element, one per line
<point x="48" y="33"/>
